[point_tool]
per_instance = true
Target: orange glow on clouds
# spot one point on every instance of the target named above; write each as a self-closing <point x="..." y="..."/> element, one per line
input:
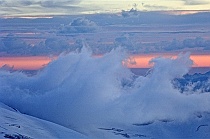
<point x="25" y="63"/>
<point x="201" y="60"/>
<point x="139" y="61"/>
<point x="142" y="61"/>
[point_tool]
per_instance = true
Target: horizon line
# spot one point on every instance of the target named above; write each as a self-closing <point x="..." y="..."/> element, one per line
<point x="169" y="12"/>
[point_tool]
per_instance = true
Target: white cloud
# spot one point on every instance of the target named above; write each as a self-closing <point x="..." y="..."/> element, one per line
<point x="83" y="92"/>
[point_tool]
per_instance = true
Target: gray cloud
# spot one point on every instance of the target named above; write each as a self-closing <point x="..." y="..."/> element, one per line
<point x="26" y="2"/>
<point x="39" y="6"/>
<point x="63" y="3"/>
<point x="13" y="45"/>
<point x="131" y="12"/>
<point x="155" y="7"/>
<point x="195" y="2"/>
<point x="2" y="2"/>
<point x="79" y="25"/>
<point x="186" y="43"/>
<point x="48" y="3"/>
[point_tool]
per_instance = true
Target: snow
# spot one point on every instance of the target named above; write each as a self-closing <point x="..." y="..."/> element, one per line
<point x="14" y="124"/>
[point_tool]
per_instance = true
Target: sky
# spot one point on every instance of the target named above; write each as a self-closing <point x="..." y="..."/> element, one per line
<point x="81" y="60"/>
<point x="141" y="61"/>
<point x="69" y="7"/>
<point x="135" y="30"/>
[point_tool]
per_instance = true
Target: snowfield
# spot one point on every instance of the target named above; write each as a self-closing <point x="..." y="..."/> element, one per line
<point x="15" y="125"/>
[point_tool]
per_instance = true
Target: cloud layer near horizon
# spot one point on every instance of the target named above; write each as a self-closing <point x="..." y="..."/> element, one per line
<point x="69" y="7"/>
<point x="137" y="32"/>
<point x="39" y="7"/>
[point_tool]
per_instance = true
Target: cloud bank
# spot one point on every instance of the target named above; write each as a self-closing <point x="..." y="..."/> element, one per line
<point x="195" y="2"/>
<point x="55" y="45"/>
<point x="43" y="3"/>
<point x="84" y="92"/>
<point x="28" y="7"/>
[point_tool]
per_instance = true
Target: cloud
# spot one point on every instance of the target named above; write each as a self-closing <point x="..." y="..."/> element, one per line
<point x="83" y="92"/>
<point x="105" y="32"/>
<point x="155" y="7"/>
<point x="131" y="12"/>
<point x="26" y="2"/>
<point x="62" y="3"/>
<point x="79" y="25"/>
<point x="52" y="46"/>
<point x="14" y="45"/>
<point x="195" y="2"/>
<point x="2" y="2"/>
<point x="40" y="6"/>
<point x="48" y="3"/>
<point x="2" y="46"/>
<point x="126" y="43"/>
<point x="186" y="43"/>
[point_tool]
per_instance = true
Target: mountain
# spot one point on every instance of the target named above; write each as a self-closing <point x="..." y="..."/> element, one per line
<point x="196" y="82"/>
<point x="14" y="125"/>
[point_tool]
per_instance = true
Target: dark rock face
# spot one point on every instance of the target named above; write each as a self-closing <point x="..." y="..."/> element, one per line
<point x="16" y="136"/>
<point x="196" y="82"/>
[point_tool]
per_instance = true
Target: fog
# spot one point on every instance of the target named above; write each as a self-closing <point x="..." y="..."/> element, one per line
<point x="82" y="92"/>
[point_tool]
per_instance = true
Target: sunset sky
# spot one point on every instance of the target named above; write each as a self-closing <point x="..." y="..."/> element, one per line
<point x="144" y="31"/>
<point x="141" y="61"/>
<point x="69" y="7"/>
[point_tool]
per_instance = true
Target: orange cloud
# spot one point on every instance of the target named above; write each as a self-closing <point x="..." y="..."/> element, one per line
<point x="25" y="63"/>
<point x="137" y="61"/>
<point x="142" y="61"/>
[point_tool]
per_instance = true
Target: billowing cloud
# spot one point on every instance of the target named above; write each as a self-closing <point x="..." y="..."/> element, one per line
<point x="14" y="45"/>
<point x="79" y="25"/>
<point x="52" y="46"/>
<point x="84" y="92"/>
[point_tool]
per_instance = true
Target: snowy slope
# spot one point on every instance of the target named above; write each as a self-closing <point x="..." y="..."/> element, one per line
<point x="196" y="128"/>
<point x="16" y="125"/>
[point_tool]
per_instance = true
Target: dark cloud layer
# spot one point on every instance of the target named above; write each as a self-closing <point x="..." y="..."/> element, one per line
<point x="58" y="45"/>
<point x="136" y="32"/>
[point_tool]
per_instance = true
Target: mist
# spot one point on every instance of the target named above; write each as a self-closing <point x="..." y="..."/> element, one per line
<point x="82" y="92"/>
